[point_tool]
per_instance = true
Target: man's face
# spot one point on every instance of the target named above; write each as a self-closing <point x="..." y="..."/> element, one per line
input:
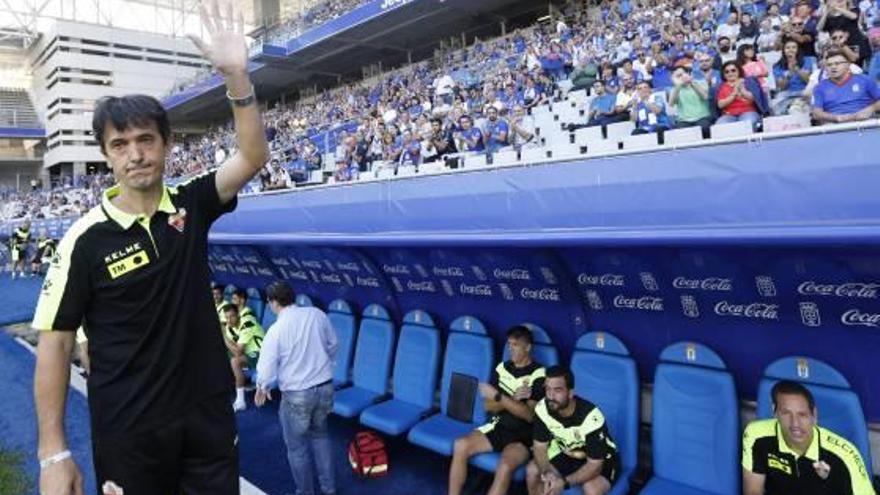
<point x="724" y="45"/>
<point x="837" y="66"/>
<point x="218" y="295"/>
<point x="732" y="19"/>
<point x="465" y="124"/>
<point x="232" y="319"/>
<point x="644" y="91"/>
<point x="628" y="82"/>
<point x="136" y="155"/>
<point x="492" y="114"/>
<point x="435" y="126"/>
<point x="519" y="348"/>
<point x="557" y="394"/>
<point x="839" y="37"/>
<point x="796" y="419"/>
<point x="238" y="300"/>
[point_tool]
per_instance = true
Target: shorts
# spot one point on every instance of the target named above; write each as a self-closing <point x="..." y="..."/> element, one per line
<point x="500" y="437"/>
<point x="17" y="254"/>
<point x="194" y="453"/>
<point x="567" y="465"/>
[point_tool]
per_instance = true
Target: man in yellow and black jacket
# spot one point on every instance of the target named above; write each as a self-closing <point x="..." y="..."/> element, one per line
<point x="515" y="387"/>
<point x="45" y="251"/>
<point x="791" y="454"/>
<point x="572" y="444"/>
<point x="220" y="303"/>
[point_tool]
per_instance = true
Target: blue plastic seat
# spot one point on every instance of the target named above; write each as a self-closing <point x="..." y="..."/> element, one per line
<point x="543" y="352"/>
<point x="342" y="318"/>
<point x="605" y="374"/>
<point x="469" y="352"/>
<point x="255" y="302"/>
<point x="839" y="408"/>
<point x="269" y="317"/>
<point x="228" y="290"/>
<point x="372" y="364"/>
<point x="695" y="424"/>
<point x="303" y="301"/>
<point x="414" y="381"/>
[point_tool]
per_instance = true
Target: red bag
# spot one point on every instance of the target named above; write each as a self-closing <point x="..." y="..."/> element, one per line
<point x="367" y="455"/>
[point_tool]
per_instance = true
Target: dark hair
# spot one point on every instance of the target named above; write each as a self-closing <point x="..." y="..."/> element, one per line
<point x="128" y="111"/>
<point x="834" y="52"/>
<point x="520" y="332"/>
<point x="788" y="387"/>
<point x="240" y="293"/>
<point x="739" y="68"/>
<point x="646" y="81"/>
<point x="230" y="308"/>
<point x="782" y="63"/>
<point x="216" y="287"/>
<point x="280" y="292"/>
<point x="722" y="38"/>
<point x="561" y="371"/>
<point x="741" y="53"/>
<point x="438" y="121"/>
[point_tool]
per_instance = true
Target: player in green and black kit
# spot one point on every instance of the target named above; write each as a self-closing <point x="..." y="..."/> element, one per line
<point x="45" y="251"/>
<point x="572" y="444"/>
<point x="19" y="241"/>
<point x="244" y="337"/>
<point x="514" y="389"/>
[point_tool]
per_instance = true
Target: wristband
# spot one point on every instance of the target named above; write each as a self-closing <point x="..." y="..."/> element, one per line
<point x="244" y="100"/>
<point x="54" y="459"/>
<point x="497" y="397"/>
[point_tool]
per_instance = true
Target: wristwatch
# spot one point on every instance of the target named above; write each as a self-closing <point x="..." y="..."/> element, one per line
<point x="243" y="101"/>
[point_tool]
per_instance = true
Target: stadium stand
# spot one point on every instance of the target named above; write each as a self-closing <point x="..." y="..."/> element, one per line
<point x="17" y="110"/>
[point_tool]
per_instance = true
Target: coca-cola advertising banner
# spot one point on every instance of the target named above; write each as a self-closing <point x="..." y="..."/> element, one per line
<point x="751" y="305"/>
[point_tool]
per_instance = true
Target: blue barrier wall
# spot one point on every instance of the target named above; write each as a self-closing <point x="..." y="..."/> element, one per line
<point x="759" y="250"/>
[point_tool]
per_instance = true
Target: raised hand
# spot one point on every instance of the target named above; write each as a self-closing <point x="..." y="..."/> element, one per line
<point x="227" y="49"/>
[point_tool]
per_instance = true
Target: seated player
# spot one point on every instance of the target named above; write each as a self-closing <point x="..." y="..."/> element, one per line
<point x="45" y="251"/>
<point x="243" y="337"/>
<point x="572" y="444"/>
<point x="514" y="388"/>
<point x="791" y="454"/>
<point x="239" y="299"/>
<point x="220" y="303"/>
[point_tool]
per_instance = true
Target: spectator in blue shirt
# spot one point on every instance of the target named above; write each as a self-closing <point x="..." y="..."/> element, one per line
<point x="601" y="111"/>
<point x="471" y="137"/>
<point x="496" y="130"/>
<point x="844" y="96"/>
<point x="411" y="150"/>
<point x="648" y="111"/>
<point x="792" y="73"/>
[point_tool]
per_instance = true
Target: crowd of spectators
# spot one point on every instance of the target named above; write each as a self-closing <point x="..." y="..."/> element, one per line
<point x="314" y="15"/>
<point x="66" y="199"/>
<point x="661" y="64"/>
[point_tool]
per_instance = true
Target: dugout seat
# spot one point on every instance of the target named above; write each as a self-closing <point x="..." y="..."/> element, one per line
<point x="255" y="302"/>
<point x="839" y="408"/>
<point x="605" y="374"/>
<point x="342" y="319"/>
<point x="372" y="364"/>
<point x="304" y="301"/>
<point x="543" y="352"/>
<point x="414" y="381"/>
<point x="469" y="352"/>
<point x="695" y="424"/>
<point x="269" y="317"/>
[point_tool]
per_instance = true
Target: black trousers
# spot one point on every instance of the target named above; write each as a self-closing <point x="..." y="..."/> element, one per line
<point x="194" y="454"/>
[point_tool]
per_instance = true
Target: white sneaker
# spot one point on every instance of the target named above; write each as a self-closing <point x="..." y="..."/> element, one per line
<point x="239" y="406"/>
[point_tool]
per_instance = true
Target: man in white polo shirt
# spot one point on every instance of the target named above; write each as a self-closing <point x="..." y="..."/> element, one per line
<point x="298" y="354"/>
